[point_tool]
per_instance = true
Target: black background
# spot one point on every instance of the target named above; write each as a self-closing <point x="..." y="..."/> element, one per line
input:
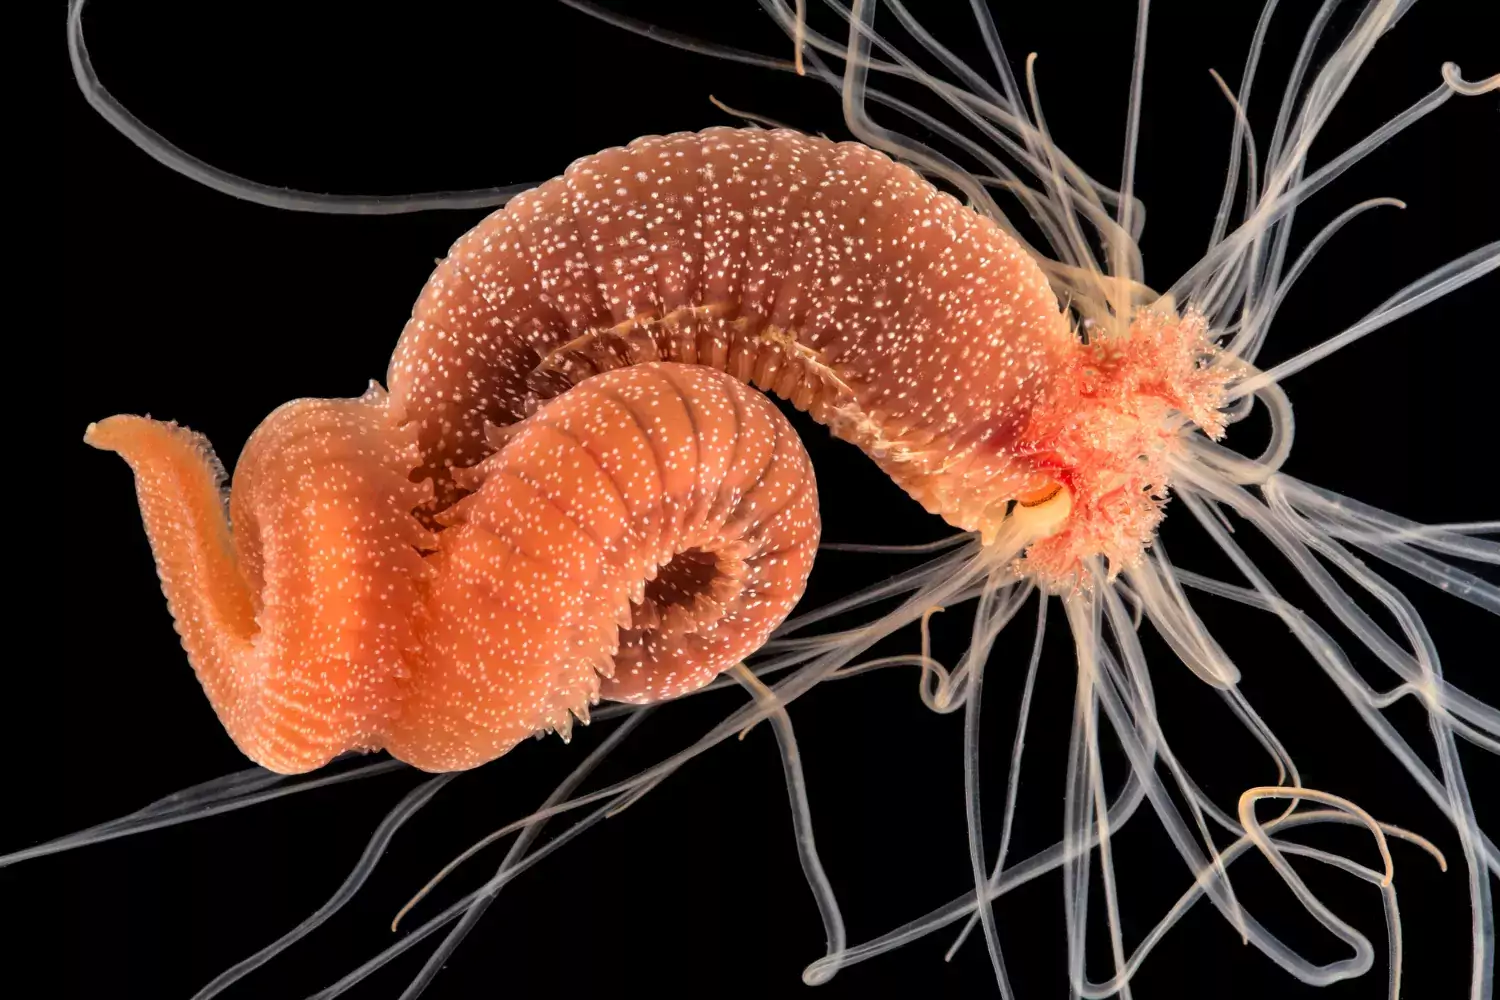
<point x="200" y="308"/>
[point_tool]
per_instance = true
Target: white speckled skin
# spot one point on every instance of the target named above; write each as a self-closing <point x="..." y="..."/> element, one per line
<point x="631" y="540"/>
<point x="614" y="513"/>
<point x="825" y="272"/>
<point x="546" y="578"/>
<point x="301" y="624"/>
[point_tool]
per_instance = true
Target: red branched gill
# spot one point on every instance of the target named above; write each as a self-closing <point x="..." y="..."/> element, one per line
<point x="1113" y="414"/>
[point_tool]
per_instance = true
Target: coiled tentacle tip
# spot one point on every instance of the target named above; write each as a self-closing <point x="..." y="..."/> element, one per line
<point x="1453" y="76"/>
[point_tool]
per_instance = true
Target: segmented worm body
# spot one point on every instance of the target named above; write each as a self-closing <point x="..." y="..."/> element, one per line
<point x="651" y="526"/>
<point x="633" y="539"/>
<point x="570" y="494"/>
<point x="821" y="271"/>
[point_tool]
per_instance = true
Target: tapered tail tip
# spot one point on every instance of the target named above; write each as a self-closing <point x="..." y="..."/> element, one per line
<point x="106" y="434"/>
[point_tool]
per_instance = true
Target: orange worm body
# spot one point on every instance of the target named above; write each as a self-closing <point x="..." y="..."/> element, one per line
<point x="299" y="624"/>
<point x="633" y="539"/>
<point x="649" y="527"/>
<point x="586" y="527"/>
<point x="824" y="272"/>
<point x="914" y="327"/>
